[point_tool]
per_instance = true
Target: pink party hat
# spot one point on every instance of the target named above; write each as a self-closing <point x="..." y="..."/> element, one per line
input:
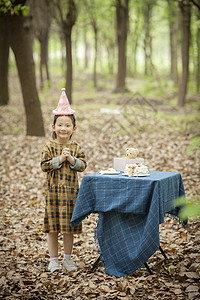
<point x="63" y="107"/>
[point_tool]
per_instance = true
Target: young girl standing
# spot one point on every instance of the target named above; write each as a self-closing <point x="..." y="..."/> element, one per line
<point x="61" y="159"/>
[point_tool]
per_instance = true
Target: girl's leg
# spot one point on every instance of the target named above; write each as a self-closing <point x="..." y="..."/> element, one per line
<point x="68" y="239"/>
<point x="52" y="240"/>
<point x="68" y="263"/>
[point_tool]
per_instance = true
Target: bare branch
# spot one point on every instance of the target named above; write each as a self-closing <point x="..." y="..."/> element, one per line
<point x="58" y="18"/>
<point x="196" y="4"/>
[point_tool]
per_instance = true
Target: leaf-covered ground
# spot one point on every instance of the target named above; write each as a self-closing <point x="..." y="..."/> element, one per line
<point x="24" y="256"/>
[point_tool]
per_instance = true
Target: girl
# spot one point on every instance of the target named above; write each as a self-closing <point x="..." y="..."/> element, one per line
<point x="61" y="159"/>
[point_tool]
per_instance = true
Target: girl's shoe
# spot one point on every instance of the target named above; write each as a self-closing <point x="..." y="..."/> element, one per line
<point x="69" y="265"/>
<point x="54" y="266"/>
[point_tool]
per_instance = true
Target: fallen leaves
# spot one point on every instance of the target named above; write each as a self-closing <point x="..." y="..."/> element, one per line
<point x="24" y="256"/>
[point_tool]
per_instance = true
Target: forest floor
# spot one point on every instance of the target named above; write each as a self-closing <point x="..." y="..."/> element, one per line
<point x="161" y="133"/>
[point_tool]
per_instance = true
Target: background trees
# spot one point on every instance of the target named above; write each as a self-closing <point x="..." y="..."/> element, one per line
<point x="116" y="39"/>
<point x="16" y="33"/>
<point x="66" y="15"/>
<point x="122" y="20"/>
<point x="42" y="17"/>
<point x="185" y="8"/>
<point x="173" y="17"/>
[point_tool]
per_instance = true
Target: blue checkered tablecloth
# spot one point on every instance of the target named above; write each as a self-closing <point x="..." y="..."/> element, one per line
<point x="130" y="210"/>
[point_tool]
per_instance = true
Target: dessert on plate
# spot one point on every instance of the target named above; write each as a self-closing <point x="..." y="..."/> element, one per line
<point x="136" y="170"/>
<point x="110" y="171"/>
<point x="131" y="165"/>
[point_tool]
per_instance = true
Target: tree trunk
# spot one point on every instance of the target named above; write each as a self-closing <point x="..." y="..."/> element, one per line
<point x="110" y="55"/>
<point x="41" y="12"/>
<point x="198" y="53"/>
<point x="68" y="24"/>
<point x="95" y="56"/>
<point x="147" y="39"/>
<point x="198" y="60"/>
<point x="44" y="39"/>
<point x="21" y="44"/>
<point x="75" y="47"/>
<point x="4" y="55"/>
<point x="135" y="41"/>
<point x="122" y="11"/>
<point x="86" y="49"/>
<point x="69" y="71"/>
<point x="41" y="66"/>
<point x="63" y="52"/>
<point x="185" y="8"/>
<point x="173" y="27"/>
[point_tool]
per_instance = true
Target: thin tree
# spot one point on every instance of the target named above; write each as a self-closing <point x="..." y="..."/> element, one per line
<point x="87" y="48"/>
<point x="122" y="19"/>
<point x="185" y="8"/>
<point x="173" y="29"/>
<point x="92" y="9"/>
<point x="66" y="21"/>
<point x="196" y="3"/>
<point x="4" y="57"/>
<point x="147" y="14"/>
<point x="41" y="11"/>
<point x="135" y="33"/>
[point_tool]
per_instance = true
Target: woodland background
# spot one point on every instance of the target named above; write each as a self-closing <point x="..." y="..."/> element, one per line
<point x="131" y="71"/>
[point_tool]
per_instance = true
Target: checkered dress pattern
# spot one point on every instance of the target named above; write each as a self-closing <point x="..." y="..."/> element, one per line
<point x="62" y="187"/>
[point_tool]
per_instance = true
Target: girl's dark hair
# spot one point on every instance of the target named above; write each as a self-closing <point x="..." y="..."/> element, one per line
<point x="72" y="117"/>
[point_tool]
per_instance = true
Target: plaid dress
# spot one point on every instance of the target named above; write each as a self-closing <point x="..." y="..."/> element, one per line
<point x="62" y="186"/>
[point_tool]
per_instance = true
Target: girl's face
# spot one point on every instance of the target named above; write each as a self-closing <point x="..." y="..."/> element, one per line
<point x="64" y="129"/>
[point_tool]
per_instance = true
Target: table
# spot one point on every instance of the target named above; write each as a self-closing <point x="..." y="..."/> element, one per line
<point x="130" y="210"/>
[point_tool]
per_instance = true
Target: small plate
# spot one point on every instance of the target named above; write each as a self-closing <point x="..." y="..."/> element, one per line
<point x="137" y="175"/>
<point x="106" y="172"/>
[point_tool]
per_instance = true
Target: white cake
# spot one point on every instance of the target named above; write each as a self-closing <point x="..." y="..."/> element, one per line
<point x="136" y="170"/>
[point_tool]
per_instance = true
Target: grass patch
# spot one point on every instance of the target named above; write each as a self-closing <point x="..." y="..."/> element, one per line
<point x="12" y="130"/>
<point x="179" y="122"/>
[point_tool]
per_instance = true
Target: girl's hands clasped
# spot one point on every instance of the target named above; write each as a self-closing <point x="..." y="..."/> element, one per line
<point x="66" y="152"/>
<point x="67" y="156"/>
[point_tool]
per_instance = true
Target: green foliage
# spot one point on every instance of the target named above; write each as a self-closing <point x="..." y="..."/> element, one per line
<point x="9" y="129"/>
<point x="195" y="143"/>
<point x="61" y="84"/>
<point x="190" y="210"/>
<point x="9" y="7"/>
<point x="25" y="10"/>
<point x="178" y="122"/>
